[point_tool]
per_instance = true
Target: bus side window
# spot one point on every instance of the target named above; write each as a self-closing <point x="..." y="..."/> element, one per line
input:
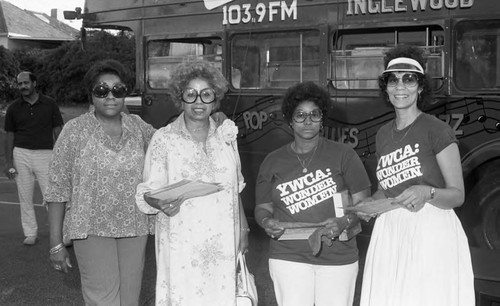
<point x="358" y="68"/>
<point x="476" y="62"/>
<point x="275" y="59"/>
<point x="164" y="55"/>
<point x="358" y="55"/>
<point x="245" y="64"/>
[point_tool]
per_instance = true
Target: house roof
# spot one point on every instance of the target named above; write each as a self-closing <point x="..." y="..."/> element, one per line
<point x="17" y="23"/>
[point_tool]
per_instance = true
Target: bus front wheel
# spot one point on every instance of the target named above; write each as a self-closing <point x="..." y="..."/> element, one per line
<point x="481" y="212"/>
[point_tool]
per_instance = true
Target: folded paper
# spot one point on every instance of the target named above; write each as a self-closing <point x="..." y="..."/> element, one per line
<point x="373" y="207"/>
<point x="186" y="189"/>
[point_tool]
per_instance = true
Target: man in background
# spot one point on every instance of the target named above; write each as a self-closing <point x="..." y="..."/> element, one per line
<point x="32" y="123"/>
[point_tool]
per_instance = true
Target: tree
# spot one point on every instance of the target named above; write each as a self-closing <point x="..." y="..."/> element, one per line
<point x="60" y="71"/>
<point x="9" y="68"/>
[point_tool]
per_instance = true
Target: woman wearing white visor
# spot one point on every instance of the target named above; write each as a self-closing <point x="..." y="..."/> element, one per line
<point x="418" y="253"/>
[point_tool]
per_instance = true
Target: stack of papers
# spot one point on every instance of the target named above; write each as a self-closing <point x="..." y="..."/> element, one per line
<point x="186" y="189"/>
<point x="374" y="207"/>
<point x="299" y="230"/>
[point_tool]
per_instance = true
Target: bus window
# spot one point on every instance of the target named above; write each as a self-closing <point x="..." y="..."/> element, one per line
<point x="477" y="61"/>
<point x="274" y="60"/>
<point x="163" y="55"/>
<point x="358" y="55"/>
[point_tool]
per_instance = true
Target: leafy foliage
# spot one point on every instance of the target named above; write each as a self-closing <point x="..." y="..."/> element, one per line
<point x="60" y="71"/>
<point x="9" y="67"/>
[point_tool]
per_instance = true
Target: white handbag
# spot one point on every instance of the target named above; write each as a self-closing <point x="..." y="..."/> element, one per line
<point x="246" y="291"/>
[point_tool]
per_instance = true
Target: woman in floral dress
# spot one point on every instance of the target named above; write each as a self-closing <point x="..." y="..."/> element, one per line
<point x="97" y="164"/>
<point x="197" y="239"/>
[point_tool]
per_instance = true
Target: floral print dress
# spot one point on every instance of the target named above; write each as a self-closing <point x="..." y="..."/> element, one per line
<point x="196" y="248"/>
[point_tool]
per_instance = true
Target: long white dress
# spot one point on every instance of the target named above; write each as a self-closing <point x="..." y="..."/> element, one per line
<point x="195" y="249"/>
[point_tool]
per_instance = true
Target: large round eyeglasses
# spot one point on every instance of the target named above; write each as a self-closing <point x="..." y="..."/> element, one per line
<point x="207" y="95"/>
<point x="316" y="116"/>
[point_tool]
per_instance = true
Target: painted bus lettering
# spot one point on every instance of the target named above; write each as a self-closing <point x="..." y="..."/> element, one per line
<point x="357" y="7"/>
<point x="236" y="14"/>
<point x="254" y="120"/>
<point x="454" y="120"/>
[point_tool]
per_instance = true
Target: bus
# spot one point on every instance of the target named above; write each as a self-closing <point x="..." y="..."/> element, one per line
<point x="263" y="47"/>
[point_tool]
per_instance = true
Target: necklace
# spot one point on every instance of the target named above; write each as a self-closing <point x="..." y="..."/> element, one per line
<point x="406" y="133"/>
<point x="305" y="163"/>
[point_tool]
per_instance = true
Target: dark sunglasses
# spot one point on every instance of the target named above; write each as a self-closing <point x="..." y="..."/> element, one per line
<point x="101" y="90"/>
<point x="408" y="79"/>
<point x="206" y="95"/>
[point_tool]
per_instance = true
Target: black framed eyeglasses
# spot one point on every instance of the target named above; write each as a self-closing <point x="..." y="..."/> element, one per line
<point x="207" y="95"/>
<point x="101" y="90"/>
<point x="316" y="116"/>
<point x="409" y="80"/>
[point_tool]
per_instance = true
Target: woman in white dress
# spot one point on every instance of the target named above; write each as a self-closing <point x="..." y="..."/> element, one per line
<point x="197" y="239"/>
<point x="418" y="253"/>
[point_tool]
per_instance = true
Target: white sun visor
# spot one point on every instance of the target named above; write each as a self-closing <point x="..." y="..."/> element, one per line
<point x="404" y="64"/>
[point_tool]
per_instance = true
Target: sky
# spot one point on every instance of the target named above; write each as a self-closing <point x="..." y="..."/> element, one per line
<point x="45" y="6"/>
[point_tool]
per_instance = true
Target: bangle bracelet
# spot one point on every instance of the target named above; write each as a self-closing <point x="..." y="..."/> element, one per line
<point x="58" y="248"/>
<point x="245" y="229"/>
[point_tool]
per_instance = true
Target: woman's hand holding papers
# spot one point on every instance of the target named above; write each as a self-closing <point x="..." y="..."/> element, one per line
<point x="169" y="206"/>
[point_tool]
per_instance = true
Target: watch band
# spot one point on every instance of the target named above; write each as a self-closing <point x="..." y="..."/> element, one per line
<point x="433" y="192"/>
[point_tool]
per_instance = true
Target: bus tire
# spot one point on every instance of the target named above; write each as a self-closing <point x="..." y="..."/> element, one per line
<point x="481" y="213"/>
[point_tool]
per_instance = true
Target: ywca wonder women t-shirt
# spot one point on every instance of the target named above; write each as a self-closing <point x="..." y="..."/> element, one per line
<point x="308" y="197"/>
<point x="408" y="157"/>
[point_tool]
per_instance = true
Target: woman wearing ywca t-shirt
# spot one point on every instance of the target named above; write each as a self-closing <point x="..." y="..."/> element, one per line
<point x="418" y="253"/>
<point x="297" y="183"/>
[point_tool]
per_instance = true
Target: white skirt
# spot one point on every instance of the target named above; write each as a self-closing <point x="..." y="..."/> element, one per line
<point x="420" y="259"/>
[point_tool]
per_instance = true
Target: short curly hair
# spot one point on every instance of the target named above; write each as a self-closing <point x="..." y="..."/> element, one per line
<point x="188" y="71"/>
<point x="301" y="92"/>
<point x="417" y="54"/>
<point x="104" y="67"/>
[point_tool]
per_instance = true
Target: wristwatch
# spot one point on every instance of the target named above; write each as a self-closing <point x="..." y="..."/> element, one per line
<point x="12" y="170"/>
<point x="433" y="192"/>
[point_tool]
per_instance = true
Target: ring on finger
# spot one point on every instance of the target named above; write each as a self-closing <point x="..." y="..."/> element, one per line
<point x="57" y="267"/>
